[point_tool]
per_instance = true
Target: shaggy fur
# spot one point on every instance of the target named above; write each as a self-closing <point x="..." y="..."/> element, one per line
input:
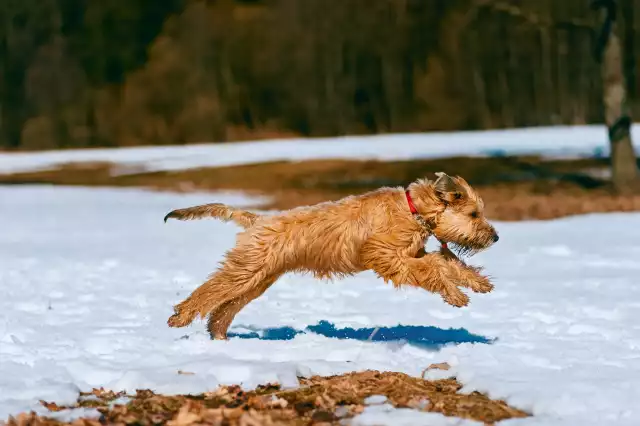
<point x="374" y="231"/>
<point x="217" y="210"/>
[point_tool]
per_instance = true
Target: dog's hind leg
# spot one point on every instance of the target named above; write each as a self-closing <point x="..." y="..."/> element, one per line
<point x="243" y="272"/>
<point x="221" y="318"/>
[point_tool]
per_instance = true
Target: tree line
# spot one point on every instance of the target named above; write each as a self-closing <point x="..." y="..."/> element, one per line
<point x="80" y="73"/>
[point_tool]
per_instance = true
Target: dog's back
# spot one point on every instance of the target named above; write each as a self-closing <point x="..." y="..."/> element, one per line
<point x="325" y="238"/>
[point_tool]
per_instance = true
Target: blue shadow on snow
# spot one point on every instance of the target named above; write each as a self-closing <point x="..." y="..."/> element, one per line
<point x="427" y="337"/>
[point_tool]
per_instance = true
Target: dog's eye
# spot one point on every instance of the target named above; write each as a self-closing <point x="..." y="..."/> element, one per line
<point x="474" y="214"/>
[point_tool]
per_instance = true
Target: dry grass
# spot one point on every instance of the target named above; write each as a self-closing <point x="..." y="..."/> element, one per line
<point x="319" y="400"/>
<point x="514" y="188"/>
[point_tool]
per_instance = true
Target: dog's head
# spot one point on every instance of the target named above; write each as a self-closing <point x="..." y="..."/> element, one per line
<point x="457" y="216"/>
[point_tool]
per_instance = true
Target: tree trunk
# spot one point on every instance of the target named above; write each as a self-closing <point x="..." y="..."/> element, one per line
<point x="624" y="169"/>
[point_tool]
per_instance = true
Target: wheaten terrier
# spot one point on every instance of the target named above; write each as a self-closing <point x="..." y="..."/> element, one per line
<point x="384" y="230"/>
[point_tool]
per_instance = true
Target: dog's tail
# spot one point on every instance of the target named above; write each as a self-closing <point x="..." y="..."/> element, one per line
<point x="220" y="211"/>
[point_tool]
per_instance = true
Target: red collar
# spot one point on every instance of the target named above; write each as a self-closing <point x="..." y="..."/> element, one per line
<point x="412" y="207"/>
<point x="414" y="211"/>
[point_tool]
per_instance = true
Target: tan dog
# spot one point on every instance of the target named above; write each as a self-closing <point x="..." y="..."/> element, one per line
<point x="383" y="230"/>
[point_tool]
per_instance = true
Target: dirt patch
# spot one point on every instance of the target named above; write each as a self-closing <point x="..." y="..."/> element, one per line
<point x="514" y="188"/>
<point x="319" y="400"/>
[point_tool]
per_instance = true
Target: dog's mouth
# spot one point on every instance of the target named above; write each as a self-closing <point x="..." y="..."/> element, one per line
<point x="466" y="249"/>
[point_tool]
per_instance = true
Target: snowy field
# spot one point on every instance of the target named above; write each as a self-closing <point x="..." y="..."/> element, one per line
<point x="558" y="142"/>
<point x="89" y="276"/>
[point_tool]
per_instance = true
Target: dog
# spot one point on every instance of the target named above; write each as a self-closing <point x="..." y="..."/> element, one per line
<point x="384" y="230"/>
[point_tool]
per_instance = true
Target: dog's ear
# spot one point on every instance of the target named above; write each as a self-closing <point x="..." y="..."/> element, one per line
<point x="464" y="185"/>
<point x="447" y="188"/>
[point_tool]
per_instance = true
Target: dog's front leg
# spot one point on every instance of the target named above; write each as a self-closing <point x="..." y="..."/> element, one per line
<point x="468" y="276"/>
<point x="431" y="271"/>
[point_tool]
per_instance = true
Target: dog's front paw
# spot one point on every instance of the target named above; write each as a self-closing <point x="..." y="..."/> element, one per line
<point x="454" y="297"/>
<point x="471" y="277"/>
<point x="485" y="287"/>
<point x="481" y="285"/>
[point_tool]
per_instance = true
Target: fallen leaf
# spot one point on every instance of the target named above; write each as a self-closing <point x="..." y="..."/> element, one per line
<point x="51" y="406"/>
<point x="184" y="417"/>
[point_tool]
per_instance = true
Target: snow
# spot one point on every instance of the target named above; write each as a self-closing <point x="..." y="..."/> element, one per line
<point x="561" y="141"/>
<point x="387" y="415"/>
<point x="375" y="399"/>
<point x="89" y="276"/>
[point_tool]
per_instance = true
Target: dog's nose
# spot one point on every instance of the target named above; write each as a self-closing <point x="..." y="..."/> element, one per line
<point x="495" y="238"/>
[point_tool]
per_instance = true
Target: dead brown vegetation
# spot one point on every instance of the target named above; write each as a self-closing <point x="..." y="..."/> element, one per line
<point x="514" y="188"/>
<point x="319" y="400"/>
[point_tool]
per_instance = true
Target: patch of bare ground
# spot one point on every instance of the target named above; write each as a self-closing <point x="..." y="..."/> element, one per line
<point x="514" y="188"/>
<point x="318" y="401"/>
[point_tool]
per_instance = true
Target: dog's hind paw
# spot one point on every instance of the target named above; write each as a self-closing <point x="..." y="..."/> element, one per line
<point x="179" y="320"/>
<point x="175" y="321"/>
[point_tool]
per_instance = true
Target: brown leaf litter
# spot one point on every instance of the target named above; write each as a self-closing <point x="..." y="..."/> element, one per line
<point x="318" y="401"/>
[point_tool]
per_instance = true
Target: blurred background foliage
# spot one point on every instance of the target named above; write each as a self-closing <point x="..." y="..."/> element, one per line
<point x="81" y="73"/>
